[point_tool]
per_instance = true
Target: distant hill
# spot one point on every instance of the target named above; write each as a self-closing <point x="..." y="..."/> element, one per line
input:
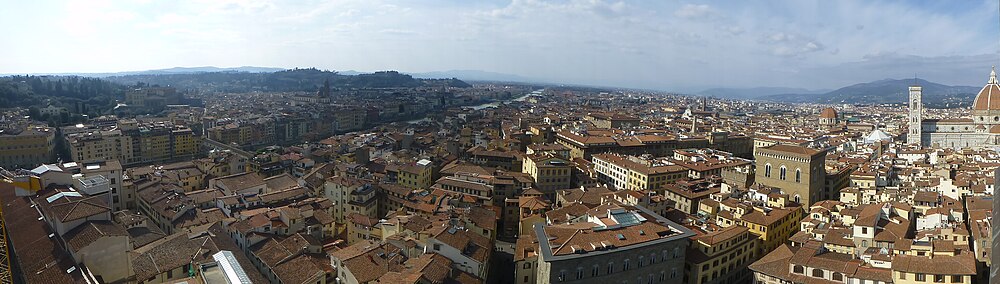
<point x="174" y="70"/>
<point x="308" y="79"/>
<point x="472" y="75"/>
<point x="887" y="91"/>
<point x="753" y="93"/>
<point x="206" y="69"/>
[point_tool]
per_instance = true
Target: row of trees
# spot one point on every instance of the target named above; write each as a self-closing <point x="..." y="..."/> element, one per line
<point x="293" y="80"/>
<point x="63" y="91"/>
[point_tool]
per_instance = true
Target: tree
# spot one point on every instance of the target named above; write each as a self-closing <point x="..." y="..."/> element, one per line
<point x="34" y="113"/>
<point x="63" y="118"/>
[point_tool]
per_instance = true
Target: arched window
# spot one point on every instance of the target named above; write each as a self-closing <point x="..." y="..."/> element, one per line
<point x="798" y="175"/>
<point x="798" y="199"/>
<point x="838" y="277"/>
<point x="818" y="273"/>
<point x="782" y="173"/>
<point x="798" y="269"/>
<point x="767" y="170"/>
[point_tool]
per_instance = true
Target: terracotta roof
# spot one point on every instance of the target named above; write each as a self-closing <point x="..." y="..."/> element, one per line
<point x="961" y="264"/>
<point x="91" y="231"/>
<point x="774" y="263"/>
<point x="828" y="113"/>
<point x="724" y="234"/>
<point x="39" y="258"/>
<point x="795" y="150"/>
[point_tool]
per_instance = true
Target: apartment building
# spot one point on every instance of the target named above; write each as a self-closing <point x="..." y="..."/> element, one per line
<point x="636" y="173"/>
<point x="720" y="255"/>
<point x="550" y="172"/>
<point x="26" y="146"/>
<point x="626" y="244"/>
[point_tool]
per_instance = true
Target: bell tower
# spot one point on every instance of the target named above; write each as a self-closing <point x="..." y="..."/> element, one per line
<point x="916" y="116"/>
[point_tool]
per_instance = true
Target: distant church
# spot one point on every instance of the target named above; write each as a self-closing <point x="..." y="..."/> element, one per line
<point x="983" y="129"/>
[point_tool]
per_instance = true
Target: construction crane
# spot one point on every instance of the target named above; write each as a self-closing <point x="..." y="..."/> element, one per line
<point x="6" y="276"/>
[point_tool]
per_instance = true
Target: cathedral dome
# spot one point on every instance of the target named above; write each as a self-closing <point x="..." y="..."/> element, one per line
<point x="985" y="99"/>
<point x="831" y="113"/>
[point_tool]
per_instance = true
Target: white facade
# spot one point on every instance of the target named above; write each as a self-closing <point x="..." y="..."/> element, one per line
<point x="983" y="129"/>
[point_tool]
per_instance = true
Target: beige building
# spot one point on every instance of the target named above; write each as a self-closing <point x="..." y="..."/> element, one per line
<point x="813" y="263"/>
<point x="133" y="143"/>
<point x="720" y="256"/>
<point x="26" y="147"/>
<point x="550" y="172"/>
<point x="798" y="171"/>
<point x="100" y="145"/>
<point x="687" y="195"/>
<point x="636" y="173"/>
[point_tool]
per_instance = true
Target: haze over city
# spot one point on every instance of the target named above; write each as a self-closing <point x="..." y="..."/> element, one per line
<point x="499" y="142"/>
<point x="669" y="45"/>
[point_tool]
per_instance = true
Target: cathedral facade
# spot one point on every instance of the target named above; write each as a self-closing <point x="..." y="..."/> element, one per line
<point x="983" y="129"/>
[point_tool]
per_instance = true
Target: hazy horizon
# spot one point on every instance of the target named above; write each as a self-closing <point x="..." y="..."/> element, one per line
<point x="681" y="46"/>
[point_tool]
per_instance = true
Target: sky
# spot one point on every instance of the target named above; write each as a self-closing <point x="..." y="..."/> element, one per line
<point x="656" y="44"/>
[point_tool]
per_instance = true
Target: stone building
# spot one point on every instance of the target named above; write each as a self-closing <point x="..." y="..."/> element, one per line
<point x="798" y="171"/>
<point x="617" y="244"/>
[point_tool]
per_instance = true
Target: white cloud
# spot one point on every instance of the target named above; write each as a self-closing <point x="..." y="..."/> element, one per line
<point x="693" y="11"/>
<point x="575" y="41"/>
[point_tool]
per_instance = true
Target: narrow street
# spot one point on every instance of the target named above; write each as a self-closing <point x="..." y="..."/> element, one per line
<point x="502" y="263"/>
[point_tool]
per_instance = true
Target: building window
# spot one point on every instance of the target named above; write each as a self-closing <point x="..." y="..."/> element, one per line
<point x="838" y="277"/>
<point x="921" y="277"/>
<point x="798" y="269"/>
<point x="527" y="265"/>
<point x="767" y="170"/>
<point x="956" y="278"/>
<point x="818" y="273"/>
<point x="798" y="175"/>
<point x="782" y="173"/>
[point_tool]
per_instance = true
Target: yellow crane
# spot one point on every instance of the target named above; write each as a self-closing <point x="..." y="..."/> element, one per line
<point x="5" y="275"/>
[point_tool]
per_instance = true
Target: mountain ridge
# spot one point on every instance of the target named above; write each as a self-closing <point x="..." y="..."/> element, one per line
<point x="755" y="92"/>
<point x="887" y="91"/>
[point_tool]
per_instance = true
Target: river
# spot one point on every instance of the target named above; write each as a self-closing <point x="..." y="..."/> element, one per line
<point x="486" y="105"/>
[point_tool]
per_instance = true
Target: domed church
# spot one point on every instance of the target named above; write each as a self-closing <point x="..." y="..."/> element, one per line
<point x="983" y="129"/>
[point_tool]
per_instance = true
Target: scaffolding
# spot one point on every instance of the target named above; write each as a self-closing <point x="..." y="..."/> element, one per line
<point x="6" y="276"/>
